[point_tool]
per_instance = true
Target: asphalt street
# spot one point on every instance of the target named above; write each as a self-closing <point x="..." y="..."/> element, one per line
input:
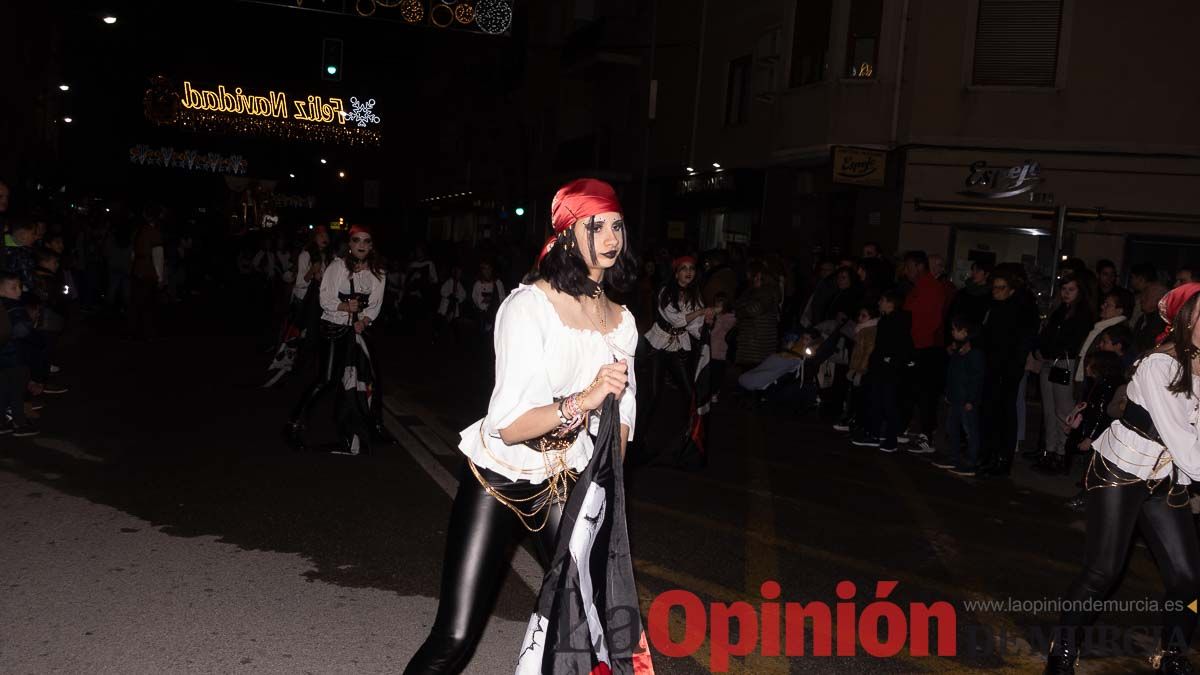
<point x="160" y="524"/>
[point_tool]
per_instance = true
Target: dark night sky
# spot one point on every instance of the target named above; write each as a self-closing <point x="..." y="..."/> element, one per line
<point x="435" y="89"/>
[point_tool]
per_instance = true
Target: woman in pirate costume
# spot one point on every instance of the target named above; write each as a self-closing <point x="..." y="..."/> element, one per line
<point x="675" y="336"/>
<point x="351" y="293"/>
<point x="1138" y="479"/>
<point x="562" y="349"/>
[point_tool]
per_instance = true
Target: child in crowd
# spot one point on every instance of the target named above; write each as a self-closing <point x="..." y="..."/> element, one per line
<point x="964" y="391"/>
<point x="1118" y="340"/>
<point x="889" y="364"/>
<point x="723" y="322"/>
<point x="1105" y="375"/>
<point x="16" y="353"/>
<point x="864" y="343"/>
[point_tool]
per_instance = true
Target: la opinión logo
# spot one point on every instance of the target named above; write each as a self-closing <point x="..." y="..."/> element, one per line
<point x="881" y="627"/>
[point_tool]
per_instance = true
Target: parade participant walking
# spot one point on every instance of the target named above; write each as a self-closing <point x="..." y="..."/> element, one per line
<point x="678" y="320"/>
<point x="562" y="349"/>
<point x="1138" y="480"/>
<point x="351" y="293"/>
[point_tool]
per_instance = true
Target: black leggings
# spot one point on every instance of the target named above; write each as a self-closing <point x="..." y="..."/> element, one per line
<point x="331" y="365"/>
<point x="477" y="545"/>
<point x="677" y="364"/>
<point x="1112" y="515"/>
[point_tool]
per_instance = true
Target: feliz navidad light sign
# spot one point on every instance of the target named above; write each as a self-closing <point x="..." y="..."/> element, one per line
<point x="237" y="111"/>
<point x="276" y="104"/>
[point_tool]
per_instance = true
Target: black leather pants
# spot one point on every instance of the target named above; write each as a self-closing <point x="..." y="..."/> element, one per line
<point x="679" y="366"/>
<point x="1112" y="515"/>
<point x="478" y="541"/>
<point x="330" y="366"/>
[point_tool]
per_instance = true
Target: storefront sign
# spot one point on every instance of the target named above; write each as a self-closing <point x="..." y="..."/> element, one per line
<point x="859" y="166"/>
<point x="992" y="182"/>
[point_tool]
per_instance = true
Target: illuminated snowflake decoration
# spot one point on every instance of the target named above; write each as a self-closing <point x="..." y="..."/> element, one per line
<point x="493" y="16"/>
<point x="362" y="112"/>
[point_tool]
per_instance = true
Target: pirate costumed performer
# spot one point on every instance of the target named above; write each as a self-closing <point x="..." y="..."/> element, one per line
<point x="1138" y="480"/>
<point x="351" y="293"/>
<point x="547" y="458"/>
<point x="679" y="338"/>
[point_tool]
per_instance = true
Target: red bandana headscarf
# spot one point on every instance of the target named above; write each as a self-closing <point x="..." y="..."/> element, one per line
<point x="359" y="229"/>
<point x="1171" y="303"/>
<point x="683" y="260"/>
<point x="581" y="198"/>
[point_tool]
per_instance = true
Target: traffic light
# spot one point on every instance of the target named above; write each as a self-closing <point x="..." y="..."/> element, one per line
<point x="331" y="59"/>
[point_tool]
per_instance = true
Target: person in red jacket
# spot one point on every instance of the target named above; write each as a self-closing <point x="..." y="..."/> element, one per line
<point x="926" y="303"/>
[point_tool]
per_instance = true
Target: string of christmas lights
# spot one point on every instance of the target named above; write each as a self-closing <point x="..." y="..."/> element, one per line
<point x="493" y="17"/>
<point x="242" y="125"/>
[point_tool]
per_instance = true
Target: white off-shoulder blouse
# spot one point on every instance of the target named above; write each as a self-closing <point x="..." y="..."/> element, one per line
<point x="1175" y="418"/>
<point x="539" y="359"/>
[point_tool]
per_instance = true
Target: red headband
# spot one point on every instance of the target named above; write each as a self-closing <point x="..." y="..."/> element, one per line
<point x="359" y="229"/>
<point x="1171" y="303"/>
<point x="683" y="260"/>
<point x="581" y="198"/>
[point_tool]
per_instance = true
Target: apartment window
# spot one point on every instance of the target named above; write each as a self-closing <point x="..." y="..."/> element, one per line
<point x="737" y="91"/>
<point x="810" y="41"/>
<point x="862" y="43"/>
<point x="1016" y="43"/>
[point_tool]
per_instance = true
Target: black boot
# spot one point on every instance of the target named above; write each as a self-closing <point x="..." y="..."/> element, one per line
<point x="1061" y="660"/>
<point x="1172" y="662"/>
<point x="293" y="435"/>
<point x="1050" y="464"/>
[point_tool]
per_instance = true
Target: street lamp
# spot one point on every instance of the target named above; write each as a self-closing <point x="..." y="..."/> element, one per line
<point x="110" y="19"/>
<point x="520" y="211"/>
<point x="341" y="174"/>
<point x="291" y="175"/>
<point x="64" y="87"/>
<point x="716" y="165"/>
<point x="323" y="161"/>
<point x="68" y="120"/>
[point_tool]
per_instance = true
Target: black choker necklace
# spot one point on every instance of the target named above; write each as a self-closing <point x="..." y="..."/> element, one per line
<point x="594" y="290"/>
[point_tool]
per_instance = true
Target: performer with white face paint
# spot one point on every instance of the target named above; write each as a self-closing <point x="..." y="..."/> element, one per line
<point x="562" y="348"/>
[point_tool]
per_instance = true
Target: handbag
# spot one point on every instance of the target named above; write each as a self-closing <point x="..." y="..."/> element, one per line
<point x="1059" y="374"/>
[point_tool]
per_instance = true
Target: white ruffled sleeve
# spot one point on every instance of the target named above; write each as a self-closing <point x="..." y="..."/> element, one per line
<point x="1174" y="415"/>
<point x="522" y="382"/>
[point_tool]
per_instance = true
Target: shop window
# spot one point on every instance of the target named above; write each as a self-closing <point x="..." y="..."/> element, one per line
<point x="1017" y="42"/>
<point x="862" y="42"/>
<point x="810" y="41"/>
<point x="737" y="92"/>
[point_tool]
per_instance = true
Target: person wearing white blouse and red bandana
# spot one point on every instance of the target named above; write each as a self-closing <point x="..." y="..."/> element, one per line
<point x="562" y="349"/>
<point x="1138" y="480"/>
<point x="351" y="294"/>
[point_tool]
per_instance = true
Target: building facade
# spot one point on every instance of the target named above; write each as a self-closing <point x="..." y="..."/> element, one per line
<point x="959" y="127"/>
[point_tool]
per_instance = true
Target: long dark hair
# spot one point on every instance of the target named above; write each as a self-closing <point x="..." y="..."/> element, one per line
<point x="1181" y="346"/>
<point x="1083" y="305"/>
<point x="316" y="253"/>
<point x="372" y="261"/>
<point x="564" y="269"/>
<point x="672" y="292"/>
